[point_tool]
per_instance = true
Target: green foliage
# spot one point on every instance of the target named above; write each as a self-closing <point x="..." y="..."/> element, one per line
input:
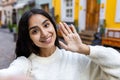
<point x="102" y="27"/>
<point x="10" y="26"/>
<point x="57" y="18"/>
<point x="76" y="24"/>
<point x="102" y="30"/>
<point x="15" y="27"/>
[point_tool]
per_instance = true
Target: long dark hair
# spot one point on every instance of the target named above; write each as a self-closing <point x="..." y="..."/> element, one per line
<point x="24" y="45"/>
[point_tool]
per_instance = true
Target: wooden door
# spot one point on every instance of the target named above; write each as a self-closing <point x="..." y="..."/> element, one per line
<point x="45" y="7"/>
<point x="92" y="15"/>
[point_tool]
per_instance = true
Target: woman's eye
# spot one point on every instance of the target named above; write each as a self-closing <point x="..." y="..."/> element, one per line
<point x="34" y="31"/>
<point x="46" y="25"/>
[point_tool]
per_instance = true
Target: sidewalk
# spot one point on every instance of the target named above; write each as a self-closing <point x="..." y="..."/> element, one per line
<point x="7" y="48"/>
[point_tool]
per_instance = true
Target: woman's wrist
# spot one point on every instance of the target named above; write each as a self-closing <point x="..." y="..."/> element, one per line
<point x="85" y="49"/>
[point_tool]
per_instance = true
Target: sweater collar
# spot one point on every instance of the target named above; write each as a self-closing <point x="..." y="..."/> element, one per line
<point x="48" y="59"/>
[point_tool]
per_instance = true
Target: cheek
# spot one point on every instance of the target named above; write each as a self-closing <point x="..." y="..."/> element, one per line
<point x="53" y="30"/>
<point x="35" y="38"/>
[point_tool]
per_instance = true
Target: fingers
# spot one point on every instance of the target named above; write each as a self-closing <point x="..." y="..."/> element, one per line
<point x="62" y="32"/>
<point x="73" y="28"/>
<point x="63" y="45"/>
<point x="65" y="29"/>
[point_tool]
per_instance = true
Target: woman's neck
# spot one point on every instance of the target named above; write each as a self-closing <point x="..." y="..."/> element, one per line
<point x="46" y="52"/>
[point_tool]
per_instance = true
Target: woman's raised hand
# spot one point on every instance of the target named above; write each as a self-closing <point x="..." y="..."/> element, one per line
<point x="72" y="39"/>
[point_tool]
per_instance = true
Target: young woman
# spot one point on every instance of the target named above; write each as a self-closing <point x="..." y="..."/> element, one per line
<point x="39" y="56"/>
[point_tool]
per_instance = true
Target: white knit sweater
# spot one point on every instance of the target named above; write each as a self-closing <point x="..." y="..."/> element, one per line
<point x="102" y="64"/>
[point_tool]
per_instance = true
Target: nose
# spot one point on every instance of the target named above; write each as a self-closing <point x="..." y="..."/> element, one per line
<point x="43" y="33"/>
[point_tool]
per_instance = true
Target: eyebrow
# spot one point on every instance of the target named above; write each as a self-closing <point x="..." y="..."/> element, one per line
<point x="45" y="21"/>
<point x="37" y="26"/>
<point x="32" y="27"/>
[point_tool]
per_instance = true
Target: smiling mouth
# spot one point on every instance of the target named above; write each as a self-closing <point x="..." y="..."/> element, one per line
<point x="48" y="40"/>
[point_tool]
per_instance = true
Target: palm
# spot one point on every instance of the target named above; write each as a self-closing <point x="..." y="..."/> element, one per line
<point x="71" y="38"/>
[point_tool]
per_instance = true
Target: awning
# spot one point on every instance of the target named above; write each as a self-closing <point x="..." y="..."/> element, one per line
<point x="19" y="5"/>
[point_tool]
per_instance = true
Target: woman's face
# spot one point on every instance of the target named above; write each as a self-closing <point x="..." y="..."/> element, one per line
<point x="41" y="31"/>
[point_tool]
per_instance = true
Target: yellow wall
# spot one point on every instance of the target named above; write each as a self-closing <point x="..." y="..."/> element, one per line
<point x="110" y="14"/>
<point x="76" y="11"/>
<point x="57" y="7"/>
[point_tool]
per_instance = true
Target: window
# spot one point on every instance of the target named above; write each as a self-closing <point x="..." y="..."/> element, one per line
<point x="117" y="17"/>
<point x="67" y="10"/>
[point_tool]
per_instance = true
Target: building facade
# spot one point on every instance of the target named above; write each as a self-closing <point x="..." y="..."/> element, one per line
<point x="91" y="16"/>
<point x="11" y="10"/>
<point x="45" y="5"/>
<point x="6" y="11"/>
<point x="88" y="14"/>
<point x="66" y="10"/>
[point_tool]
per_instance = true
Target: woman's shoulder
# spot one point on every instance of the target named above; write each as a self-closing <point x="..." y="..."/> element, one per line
<point x="21" y="61"/>
<point x="21" y="58"/>
<point x="21" y="65"/>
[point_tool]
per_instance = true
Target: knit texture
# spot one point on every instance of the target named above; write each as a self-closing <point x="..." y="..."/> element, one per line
<point x="102" y="64"/>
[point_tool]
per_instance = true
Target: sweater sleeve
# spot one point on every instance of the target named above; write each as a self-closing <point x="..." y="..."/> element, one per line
<point x="19" y="66"/>
<point x="107" y="58"/>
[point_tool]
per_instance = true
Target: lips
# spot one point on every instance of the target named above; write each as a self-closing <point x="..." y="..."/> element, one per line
<point x="48" y="40"/>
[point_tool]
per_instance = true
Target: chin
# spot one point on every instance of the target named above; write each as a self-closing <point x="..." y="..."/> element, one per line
<point x="47" y="45"/>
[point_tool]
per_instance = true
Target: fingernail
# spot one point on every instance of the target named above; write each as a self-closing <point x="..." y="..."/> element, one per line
<point x="72" y="25"/>
<point x="64" y="23"/>
<point x="59" y="26"/>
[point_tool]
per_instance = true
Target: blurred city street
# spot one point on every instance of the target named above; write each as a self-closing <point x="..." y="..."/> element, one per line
<point x="7" y="48"/>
